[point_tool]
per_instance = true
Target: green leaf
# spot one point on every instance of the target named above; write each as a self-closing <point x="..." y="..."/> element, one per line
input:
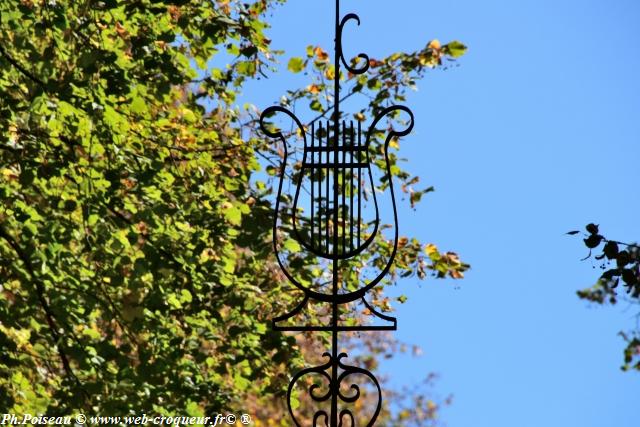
<point x="185" y="296"/>
<point x="173" y="301"/>
<point x="292" y="246"/>
<point x="296" y="65"/>
<point x="455" y="49"/>
<point x="295" y="402"/>
<point x="234" y="215"/>
<point x="91" y="333"/>
<point x="240" y="382"/>
<point x="138" y="105"/>
<point x="315" y="105"/>
<point x="194" y="410"/>
<point x="247" y="68"/>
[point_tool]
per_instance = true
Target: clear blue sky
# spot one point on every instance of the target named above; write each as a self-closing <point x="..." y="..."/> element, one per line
<point x="535" y="134"/>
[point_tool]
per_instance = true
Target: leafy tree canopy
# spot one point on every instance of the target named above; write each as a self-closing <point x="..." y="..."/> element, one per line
<point x="135" y="262"/>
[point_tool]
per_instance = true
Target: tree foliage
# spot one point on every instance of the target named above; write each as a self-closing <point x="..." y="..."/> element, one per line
<point x="135" y="261"/>
<point x="620" y="265"/>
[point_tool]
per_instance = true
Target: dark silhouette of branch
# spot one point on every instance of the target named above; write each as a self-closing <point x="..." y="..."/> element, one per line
<point x="20" y="68"/>
<point x="40" y="291"/>
<point x="629" y="245"/>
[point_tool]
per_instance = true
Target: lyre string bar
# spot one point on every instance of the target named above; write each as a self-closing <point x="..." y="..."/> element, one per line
<point x="319" y="201"/>
<point x="358" y="152"/>
<point x="325" y="196"/>
<point x="351" y="195"/>
<point x="344" y="191"/>
<point x="312" y="201"/>
<point x="328" y="198"/>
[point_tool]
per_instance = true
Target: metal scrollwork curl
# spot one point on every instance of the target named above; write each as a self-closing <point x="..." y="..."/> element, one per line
<point x="364" y="56"/>
<point x="334" y="391"/>
<point x="353" y="370"/>
<point x="322" y="372"/>
<point x="342" y="415"/>
<point x="317" y="416"/>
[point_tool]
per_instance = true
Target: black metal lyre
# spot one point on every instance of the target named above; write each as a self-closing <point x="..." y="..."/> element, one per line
<point x="337" y="219"/>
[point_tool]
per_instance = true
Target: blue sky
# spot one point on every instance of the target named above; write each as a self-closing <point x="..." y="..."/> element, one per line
<point x="535" y="133"/>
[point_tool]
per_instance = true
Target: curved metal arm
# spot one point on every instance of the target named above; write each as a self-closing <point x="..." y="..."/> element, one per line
<point x="278" y="109"/>
<point x="278" y="134"/>
<point x="392" y="134"/>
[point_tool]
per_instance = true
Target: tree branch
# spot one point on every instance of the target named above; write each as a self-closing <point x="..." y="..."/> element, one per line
<point x="40" y="291"/>
<point x="20" y="68"/>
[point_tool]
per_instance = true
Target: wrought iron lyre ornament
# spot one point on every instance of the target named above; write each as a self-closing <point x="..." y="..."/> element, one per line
<point x="335" y="216"/>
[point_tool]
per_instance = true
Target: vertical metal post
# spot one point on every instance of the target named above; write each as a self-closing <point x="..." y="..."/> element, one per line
<point x="336" y="160"/>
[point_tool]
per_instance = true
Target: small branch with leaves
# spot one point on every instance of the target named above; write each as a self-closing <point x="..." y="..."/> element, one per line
<point x="626" y="257"/>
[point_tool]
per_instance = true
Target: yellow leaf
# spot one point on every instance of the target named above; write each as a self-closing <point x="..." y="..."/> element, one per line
<point x="314" y="89"/>
<point x="321" y="54"/>
<point x="431" y="249"/>
<point x="330" y="73"/>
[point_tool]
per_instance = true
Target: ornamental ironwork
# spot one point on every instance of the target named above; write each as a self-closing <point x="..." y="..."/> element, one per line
<point x="335" y="216"/>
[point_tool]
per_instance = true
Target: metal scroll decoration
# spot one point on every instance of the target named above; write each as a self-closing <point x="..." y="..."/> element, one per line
<point x="335" y="216"/>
